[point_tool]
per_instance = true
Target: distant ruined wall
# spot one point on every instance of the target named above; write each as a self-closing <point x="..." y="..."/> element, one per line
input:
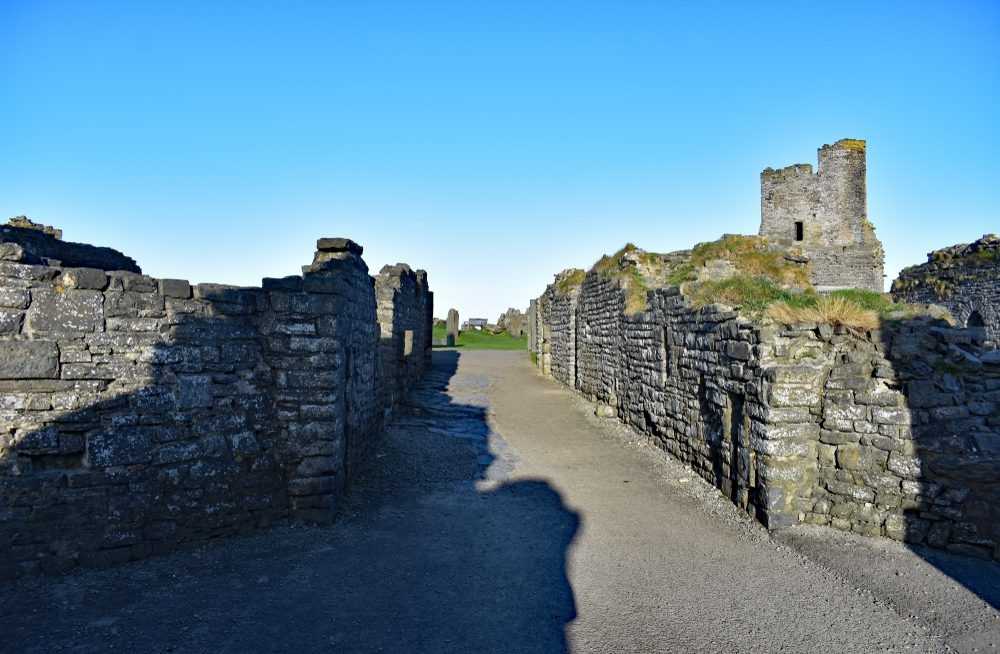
<point x="963" y="278"/>
<point x="825" y="215"/>
<point x="561" y="311"/>
<point x="895" y="432"/>
<point x="140" y="413"/>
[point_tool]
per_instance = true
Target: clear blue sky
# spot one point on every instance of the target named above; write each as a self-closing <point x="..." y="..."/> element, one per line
<point x="491" y="143"/>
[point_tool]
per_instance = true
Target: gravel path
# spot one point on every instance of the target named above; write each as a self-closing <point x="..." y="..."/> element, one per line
<point x="500" y="515"/>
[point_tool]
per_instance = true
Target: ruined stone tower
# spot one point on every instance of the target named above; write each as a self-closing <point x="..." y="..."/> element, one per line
<point x="825" y="215"/>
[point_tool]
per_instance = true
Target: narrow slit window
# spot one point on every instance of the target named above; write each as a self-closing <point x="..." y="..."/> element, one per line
<point x="799" y="231"/>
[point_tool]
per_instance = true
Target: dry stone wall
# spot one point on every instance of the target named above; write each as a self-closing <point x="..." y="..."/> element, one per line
<point x="909" y="440"/>
<point x="894" y="432"/>
<point x="963" y="278"/>
<point x="140" y="413"/>
<point x="405" y="316"/>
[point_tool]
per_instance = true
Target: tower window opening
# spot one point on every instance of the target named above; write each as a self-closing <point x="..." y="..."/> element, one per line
<point x="799" y="229"/>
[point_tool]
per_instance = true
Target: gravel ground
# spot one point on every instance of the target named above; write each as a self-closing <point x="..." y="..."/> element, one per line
<point x="500" y="515"/>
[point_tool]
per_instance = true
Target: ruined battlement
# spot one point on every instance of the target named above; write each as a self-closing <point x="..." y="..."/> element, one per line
<point x="825" y="216"/>
<point x="788" y="172"/>
<point x="28" y="242"/>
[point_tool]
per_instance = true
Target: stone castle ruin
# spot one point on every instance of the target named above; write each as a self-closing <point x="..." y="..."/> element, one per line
<point x="138" y="413"/>
<point x="964" y="278"/>
<point x="884" y="425"/>
<point x="825" y="216"/>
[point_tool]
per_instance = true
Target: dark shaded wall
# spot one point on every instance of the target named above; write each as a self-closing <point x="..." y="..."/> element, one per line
<point x="963" y="278"/>
<point x="405" y="316"/>
<point x="140" y="413"/>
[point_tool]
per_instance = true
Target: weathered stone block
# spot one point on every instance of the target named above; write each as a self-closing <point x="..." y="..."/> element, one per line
<point x="176" y="288"/>
<point x="84" y="278"/>
<point x="10" y="322"/>
<point x="908" y="467"/>
<point x="849" y="456"/>
<point x="14" y="298"/>
<point x="29" y="360"/>
<point x="739" y="350"/>
<point x="339" y="245"/>
<point x="65" y="313"/>
<point x="194" y="391"/>
<point x="119" y="447"/>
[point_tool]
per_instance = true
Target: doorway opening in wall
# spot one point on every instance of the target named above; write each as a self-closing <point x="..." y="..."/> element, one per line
<point x="742" y="468"/>
<point x="976" y="325"/>
<point x="799" y="230"/>
<point x="665" y="368"/>
<point x="575" y="372"/>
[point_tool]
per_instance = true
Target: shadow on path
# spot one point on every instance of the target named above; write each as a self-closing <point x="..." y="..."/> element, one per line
<point x="433" y="553"/>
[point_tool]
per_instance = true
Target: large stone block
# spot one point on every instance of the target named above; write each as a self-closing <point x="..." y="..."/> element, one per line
<point x="29" y="360"/>
<point x="84" y="278"/>
<point x="10" y="321"/>
<point x="119" y="447"/>
<point x="14" y="298"/>
<point x="194" y="391"/>
<point x="69" y="312"/>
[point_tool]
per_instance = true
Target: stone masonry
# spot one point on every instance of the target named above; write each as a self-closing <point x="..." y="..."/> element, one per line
<point x="893" y="432"/>
<point x="825" y="216"/>
<point x="404" y="304"/>
<point x="964" y="278"/>
<point x="142" y="413"/>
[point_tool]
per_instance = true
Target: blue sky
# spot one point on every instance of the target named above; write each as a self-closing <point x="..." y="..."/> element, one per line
<point x="492" y="144"/>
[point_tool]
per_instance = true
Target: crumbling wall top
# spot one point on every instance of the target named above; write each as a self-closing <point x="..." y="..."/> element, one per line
<point x="24" y="241"/>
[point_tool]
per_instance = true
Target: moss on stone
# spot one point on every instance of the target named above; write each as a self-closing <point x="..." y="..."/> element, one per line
<point x="851" y="144"/>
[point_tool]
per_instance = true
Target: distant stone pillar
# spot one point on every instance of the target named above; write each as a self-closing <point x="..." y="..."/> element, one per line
<point x="452" y="328"/>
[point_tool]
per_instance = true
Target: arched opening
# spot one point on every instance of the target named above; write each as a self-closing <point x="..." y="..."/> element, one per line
<point x="976" y="325"/>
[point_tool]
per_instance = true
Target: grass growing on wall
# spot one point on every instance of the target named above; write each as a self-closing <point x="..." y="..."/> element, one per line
<point x="571" y="281"/>
<point x="759" y="297"/>
<point x="471" y="339"/>
<point x="751" y="256"/>
<point x="631" y="279"/>
<point x="766" y="284"/>
<point x="752" y="294"/>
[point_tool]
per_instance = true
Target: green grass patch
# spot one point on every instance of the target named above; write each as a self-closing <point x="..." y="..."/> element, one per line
<point x="477" y="340"/>
<point x="752" y="294"/>
<point x="610" y="264"/>
<point x="880" y="303"/>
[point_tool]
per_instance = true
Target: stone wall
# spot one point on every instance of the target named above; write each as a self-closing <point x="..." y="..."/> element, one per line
<point x="909" y="437"/>
<point x="825" y="215"/>
<point x="894" y="432"/>
<point x="964" y="278"/>
<point x="404" y="304"/>
<point x="141" y="413"/>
